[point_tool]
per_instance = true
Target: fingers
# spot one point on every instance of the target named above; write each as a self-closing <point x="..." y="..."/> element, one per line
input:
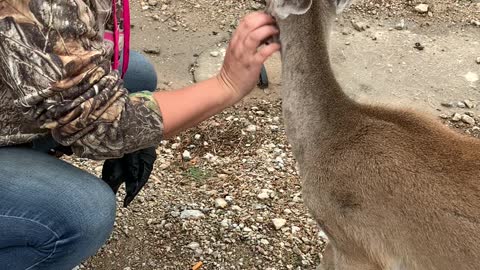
<point x="258" y="36"/>
<point x="264" y="53"/>
<point x="255" y="20"/>
<point x="250" y="23"/>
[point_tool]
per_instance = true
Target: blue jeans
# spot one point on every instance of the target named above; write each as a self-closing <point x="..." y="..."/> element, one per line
<point x="52" y="214"/>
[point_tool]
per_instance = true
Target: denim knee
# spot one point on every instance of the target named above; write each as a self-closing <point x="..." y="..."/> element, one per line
<point x="141" y="74"/>
<point x="66" y="214"/>
<point x="92" y="223"/>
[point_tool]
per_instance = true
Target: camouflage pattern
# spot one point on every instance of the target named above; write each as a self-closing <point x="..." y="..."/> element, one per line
<point x="56" y="77"/>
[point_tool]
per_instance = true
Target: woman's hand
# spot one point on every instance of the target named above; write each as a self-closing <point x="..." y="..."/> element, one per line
<point x="244" y="59"/>
<point x="189" y="106"/>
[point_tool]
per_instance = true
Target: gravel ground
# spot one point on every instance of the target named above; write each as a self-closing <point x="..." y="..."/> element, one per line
<point x="226" y="194"/>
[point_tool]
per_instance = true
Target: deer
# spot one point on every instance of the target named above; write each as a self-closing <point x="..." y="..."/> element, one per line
<point x="391" y="188"/>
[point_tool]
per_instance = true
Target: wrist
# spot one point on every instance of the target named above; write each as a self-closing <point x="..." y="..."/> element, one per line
<point x="227" y="93"/>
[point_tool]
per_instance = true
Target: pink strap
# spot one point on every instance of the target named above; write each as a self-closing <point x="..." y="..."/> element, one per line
<point x="126" y="37"/>
<point x="116" y="35"/>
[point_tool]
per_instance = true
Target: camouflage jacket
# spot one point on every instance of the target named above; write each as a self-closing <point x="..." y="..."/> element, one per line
<point x="56" y="78"/>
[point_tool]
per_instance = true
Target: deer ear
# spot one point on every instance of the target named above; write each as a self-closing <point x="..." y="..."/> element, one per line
<point x="283" y="8"/>
<point x="342" y="5"/>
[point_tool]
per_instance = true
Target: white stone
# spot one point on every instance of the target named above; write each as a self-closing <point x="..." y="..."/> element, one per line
<point x="279" y="223"/>
<point x="471" y="77"/>
<point x="191" y="214"/>
<point x="247" y="229"/>
<point x="214" y="54"/>
<point x="295" y="229"/>
<point x="186" y="155"/>
<point x="220" y="203"/>
<point x="422" y="8"/>
<point x="274" y="128"/>
<point x="263" y="196"/>
<point x="456" y="117"/>
<point x="193" y="245"/>
<point x="468" y="119"/>
<point x="322" y="235"/>
<point x="225" y="223"/>
<point x="470" y="104"/>
<point x="251" y="128"/>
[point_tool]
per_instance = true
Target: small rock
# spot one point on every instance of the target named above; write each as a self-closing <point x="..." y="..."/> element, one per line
<point x="299" y="199"/>
<point x="419" y="46"/>
<point x="197" y="137"/>
<point x="447" y="104"/>
<point x="220" y="203"/>
<point x="456" y="117"/>
<point x="279" y="223"/>
<point x="444" y="116"/>
<point x="251" y="128"/>
<point x="186" y="155"/>
<point x="468" y="119"/>
<point x="191" y="214"/>
<point x="247" y="229"/>
<point x="401" y="25"/>
<point x="478" y="60"/>
<point x="422" y="8"/>
<point x="155" y="51"/>
<point x="476" y="23"/>
<point x="175" y="214"/>
<point x="460" y="104"/>
<point x="225" y="223"/>
<point x="322" y="235"/>
<point x="470" y="104"/>
<point x="471" y="77"/>
<point x="214" y="54"/>
<point x="193" y="245"/>
<point x="360" y="27"/>
<point x="295" y="229"/>
<point x="263" y="196"/>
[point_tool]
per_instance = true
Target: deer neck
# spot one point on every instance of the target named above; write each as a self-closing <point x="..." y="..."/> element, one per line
<point x="313" y="101"/>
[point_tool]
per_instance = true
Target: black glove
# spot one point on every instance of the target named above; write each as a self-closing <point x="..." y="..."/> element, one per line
<point x="134" y="169"/>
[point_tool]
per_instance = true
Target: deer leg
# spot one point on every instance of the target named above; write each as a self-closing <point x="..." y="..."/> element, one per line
<point x="327" y="259"/>
<point x="336" y="260"/>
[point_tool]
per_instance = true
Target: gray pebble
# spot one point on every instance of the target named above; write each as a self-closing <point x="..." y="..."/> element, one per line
<point x="468" y="119"/>
<point x="191" y="214"/>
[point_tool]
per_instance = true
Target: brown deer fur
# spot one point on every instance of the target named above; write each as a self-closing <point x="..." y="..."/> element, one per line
<point x="392" y="189"/>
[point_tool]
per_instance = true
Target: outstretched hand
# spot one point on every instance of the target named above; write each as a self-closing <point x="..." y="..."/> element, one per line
<point x="245" y="56"/>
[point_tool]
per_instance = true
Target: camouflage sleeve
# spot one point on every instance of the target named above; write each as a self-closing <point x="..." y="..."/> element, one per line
<point x="54" y="62"/>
